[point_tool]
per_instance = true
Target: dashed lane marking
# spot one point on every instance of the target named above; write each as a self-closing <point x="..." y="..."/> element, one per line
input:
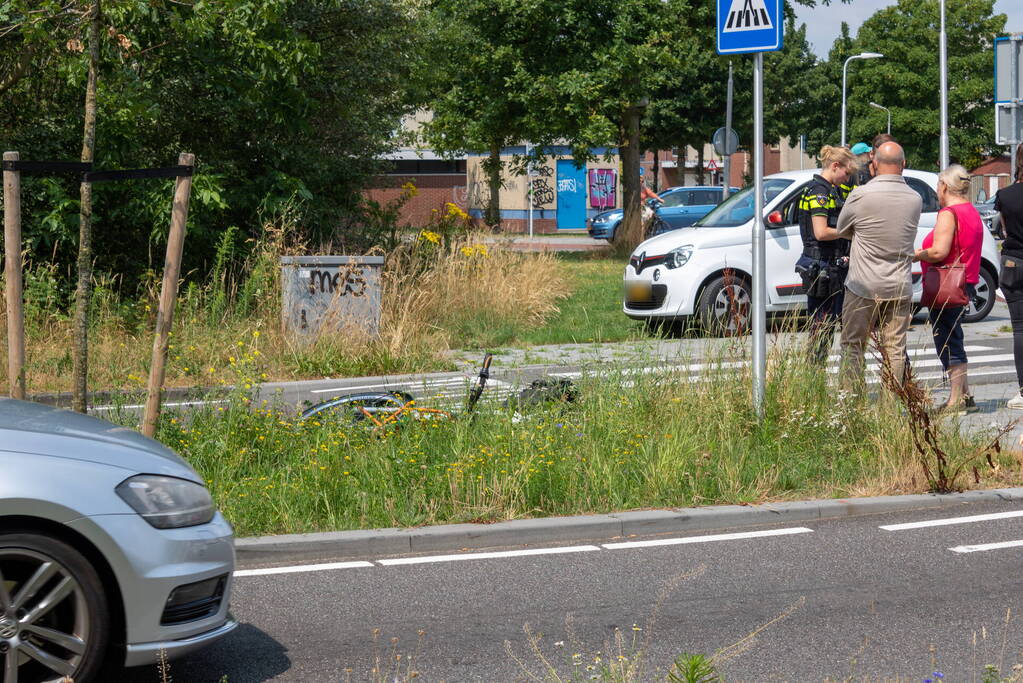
<point x="952" y="520"/>
<point x="302" y="568"/>
<point x="986" y="546"/>
<point x="706" y="539"/>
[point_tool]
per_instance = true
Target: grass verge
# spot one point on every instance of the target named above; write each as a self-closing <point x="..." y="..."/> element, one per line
<point x="629" y="441"/>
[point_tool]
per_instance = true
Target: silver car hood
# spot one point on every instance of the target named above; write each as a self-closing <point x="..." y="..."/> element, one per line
<point x="27" y="427"/>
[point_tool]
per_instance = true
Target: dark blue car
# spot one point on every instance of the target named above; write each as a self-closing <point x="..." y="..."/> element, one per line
<point x="682" y="207"/>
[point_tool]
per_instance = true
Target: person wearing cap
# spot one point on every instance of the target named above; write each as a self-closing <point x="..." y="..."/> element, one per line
<point x="862" y="152"/>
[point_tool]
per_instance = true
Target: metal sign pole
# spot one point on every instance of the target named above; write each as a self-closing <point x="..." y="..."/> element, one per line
<point x="726" y="164"/>
<point x="1016" y="112"/>
<point x="529" y="190"/>
<point x="943" y="58"/>
<point x="759" y="259"/>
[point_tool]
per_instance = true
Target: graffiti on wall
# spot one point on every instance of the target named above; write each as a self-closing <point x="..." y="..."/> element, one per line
<point x="541" y="190"/>
<point x="603" y="182"/>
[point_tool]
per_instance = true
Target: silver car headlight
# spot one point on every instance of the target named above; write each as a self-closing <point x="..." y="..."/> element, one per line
<point x="167" y="502"/>
<point x="679" y="256"/>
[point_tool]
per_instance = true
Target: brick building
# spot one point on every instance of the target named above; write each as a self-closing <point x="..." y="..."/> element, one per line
<point x="563" y="196"/>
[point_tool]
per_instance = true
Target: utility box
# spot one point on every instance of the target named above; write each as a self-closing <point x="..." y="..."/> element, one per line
<point x="328" y="294"/>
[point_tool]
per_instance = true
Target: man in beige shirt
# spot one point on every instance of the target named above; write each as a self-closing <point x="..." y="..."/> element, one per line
<point x="881" y="219"/>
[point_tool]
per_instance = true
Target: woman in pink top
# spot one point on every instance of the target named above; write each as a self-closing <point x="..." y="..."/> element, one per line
<point x="957" y="236"/>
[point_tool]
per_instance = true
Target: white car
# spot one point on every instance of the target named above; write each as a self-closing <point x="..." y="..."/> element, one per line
<point x="705" y="270"/>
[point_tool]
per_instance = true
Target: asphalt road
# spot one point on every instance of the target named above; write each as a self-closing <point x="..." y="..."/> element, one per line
<point x="854" y="600"/>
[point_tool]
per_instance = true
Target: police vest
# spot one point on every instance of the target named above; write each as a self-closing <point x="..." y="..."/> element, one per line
<point x="821" y="198"/>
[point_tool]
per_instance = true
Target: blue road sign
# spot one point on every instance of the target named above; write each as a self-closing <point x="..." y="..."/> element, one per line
<point x="749" y="26"/>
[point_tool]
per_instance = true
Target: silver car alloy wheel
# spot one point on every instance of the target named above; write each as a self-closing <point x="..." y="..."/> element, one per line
<point x="732" y="307"/>
<point x="44" y="618"/>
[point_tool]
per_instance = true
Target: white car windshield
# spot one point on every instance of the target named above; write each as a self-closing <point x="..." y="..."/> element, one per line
<point x="738" y="208"/>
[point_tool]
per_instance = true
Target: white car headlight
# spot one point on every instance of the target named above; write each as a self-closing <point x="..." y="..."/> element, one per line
<point x="167" y="502"/>
<point x="679" y="256"/>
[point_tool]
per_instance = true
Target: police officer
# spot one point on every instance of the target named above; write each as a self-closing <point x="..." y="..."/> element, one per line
<point x="825" y="259"/>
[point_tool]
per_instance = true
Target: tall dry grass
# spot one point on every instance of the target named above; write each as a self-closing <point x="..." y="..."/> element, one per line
<point x="433" y="296"/>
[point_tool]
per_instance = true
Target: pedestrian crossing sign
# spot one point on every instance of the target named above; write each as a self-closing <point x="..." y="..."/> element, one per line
<point x="749" y="26"/>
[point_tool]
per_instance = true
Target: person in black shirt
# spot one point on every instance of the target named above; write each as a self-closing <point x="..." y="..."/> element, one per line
<point x="825" y="259"/>
<point x="1009" y="203"/>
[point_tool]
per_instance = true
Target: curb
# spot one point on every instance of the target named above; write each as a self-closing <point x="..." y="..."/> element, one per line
<point x="375" y="542"/>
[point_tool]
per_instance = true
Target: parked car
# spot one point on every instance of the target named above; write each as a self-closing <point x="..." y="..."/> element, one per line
<point x="992" y="219"/>
<point x="111" y="550"/>
<point x="682" y="207"/>
<point x="705" y="270"/>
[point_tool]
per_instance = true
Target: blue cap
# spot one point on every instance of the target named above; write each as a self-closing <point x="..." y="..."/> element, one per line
<point x="860" y="148"/>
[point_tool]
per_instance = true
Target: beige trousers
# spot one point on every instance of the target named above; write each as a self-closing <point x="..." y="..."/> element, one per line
<point x="860" y="319"/>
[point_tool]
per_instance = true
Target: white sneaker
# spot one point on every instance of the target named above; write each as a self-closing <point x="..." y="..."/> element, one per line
<point x="1016" y="402"/>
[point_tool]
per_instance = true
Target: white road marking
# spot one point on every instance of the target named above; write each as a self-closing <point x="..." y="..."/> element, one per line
<point x="180" y="404"/>
<point x="706" y="539"/>
<point x="986" y="546"/>
<point x="488" y="556"/>
<point x="295" y="569"/>
<point x="424" y="385"/>
<point x="952" y="520"/>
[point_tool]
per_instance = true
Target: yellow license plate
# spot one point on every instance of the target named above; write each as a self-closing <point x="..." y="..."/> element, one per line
<point x="638" y="292"/>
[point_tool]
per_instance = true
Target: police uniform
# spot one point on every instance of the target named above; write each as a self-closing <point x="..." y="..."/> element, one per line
<point x="823" y="265"/>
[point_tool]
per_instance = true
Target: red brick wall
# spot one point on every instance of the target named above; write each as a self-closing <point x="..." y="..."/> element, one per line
<point x="434" y="191"/>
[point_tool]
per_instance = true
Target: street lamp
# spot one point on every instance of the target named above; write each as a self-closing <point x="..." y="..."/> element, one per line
<point x="875" y="105"/>
<point x="845" y="67"/>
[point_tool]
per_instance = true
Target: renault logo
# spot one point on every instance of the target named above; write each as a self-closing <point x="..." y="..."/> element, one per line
<point x="638" y="265"/>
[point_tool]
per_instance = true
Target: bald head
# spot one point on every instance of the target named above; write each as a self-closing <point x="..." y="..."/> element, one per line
<point x="890" y="159"/>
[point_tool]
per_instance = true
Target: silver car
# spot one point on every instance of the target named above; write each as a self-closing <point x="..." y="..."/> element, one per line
<point x="111" y="550"/>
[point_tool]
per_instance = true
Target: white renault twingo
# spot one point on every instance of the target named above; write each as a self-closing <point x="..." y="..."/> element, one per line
<point x="704" y="271"/>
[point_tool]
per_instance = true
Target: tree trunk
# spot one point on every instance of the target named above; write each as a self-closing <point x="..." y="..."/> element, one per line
<point x="699" y="166"/>
<point x="657" y="171"/>
<point x="492" y="166"/>
<point x="631" y="227"/>
<point x="80" y="329"/>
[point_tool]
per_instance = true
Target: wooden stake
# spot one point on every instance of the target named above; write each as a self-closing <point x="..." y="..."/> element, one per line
<point x="12" y="279"/>
<point x="168" y="295"/>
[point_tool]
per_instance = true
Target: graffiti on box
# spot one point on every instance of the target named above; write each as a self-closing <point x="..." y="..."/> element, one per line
<point x="326" y="282"/>
<point x="603" y="182"/>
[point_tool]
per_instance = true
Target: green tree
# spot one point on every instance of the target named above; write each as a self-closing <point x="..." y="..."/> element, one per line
<point x="907" y="79"/>
<point x="480" y="46"/>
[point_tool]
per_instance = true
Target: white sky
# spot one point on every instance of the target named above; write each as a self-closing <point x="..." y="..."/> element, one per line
<point x="822" y="24"/>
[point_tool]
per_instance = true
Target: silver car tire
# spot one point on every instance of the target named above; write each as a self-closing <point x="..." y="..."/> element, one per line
<point x="54" y="614"/>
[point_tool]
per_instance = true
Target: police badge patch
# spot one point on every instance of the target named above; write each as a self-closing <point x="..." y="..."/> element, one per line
<point x="823" y="199"/>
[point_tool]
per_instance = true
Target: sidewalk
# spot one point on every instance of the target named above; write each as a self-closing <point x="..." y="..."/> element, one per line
<point x="993" y="412"/>
<point x="568" y="241"/>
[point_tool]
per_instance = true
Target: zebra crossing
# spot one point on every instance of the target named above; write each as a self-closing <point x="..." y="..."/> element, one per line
<point x="449" y="391"/>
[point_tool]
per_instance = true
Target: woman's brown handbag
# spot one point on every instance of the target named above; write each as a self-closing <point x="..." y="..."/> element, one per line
<point x="945" y="286"/>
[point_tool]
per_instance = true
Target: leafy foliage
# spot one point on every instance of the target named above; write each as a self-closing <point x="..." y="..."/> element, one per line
<point x="278" y="99"/>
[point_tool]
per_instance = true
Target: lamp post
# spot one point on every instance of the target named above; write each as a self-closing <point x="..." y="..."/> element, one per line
<point x="845" y="67"/>
<point x="875" y="105"/>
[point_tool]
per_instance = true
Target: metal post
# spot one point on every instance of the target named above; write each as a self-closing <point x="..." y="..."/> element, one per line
<point x="759" y="259"/>
<point x="845" y="70"/>
<point x="726" y="162"/>
<point x="1014" y="71"/>
<point x="13" y="281"/>
<point x="943" y="58"/>
<point x="529" y="190"/>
